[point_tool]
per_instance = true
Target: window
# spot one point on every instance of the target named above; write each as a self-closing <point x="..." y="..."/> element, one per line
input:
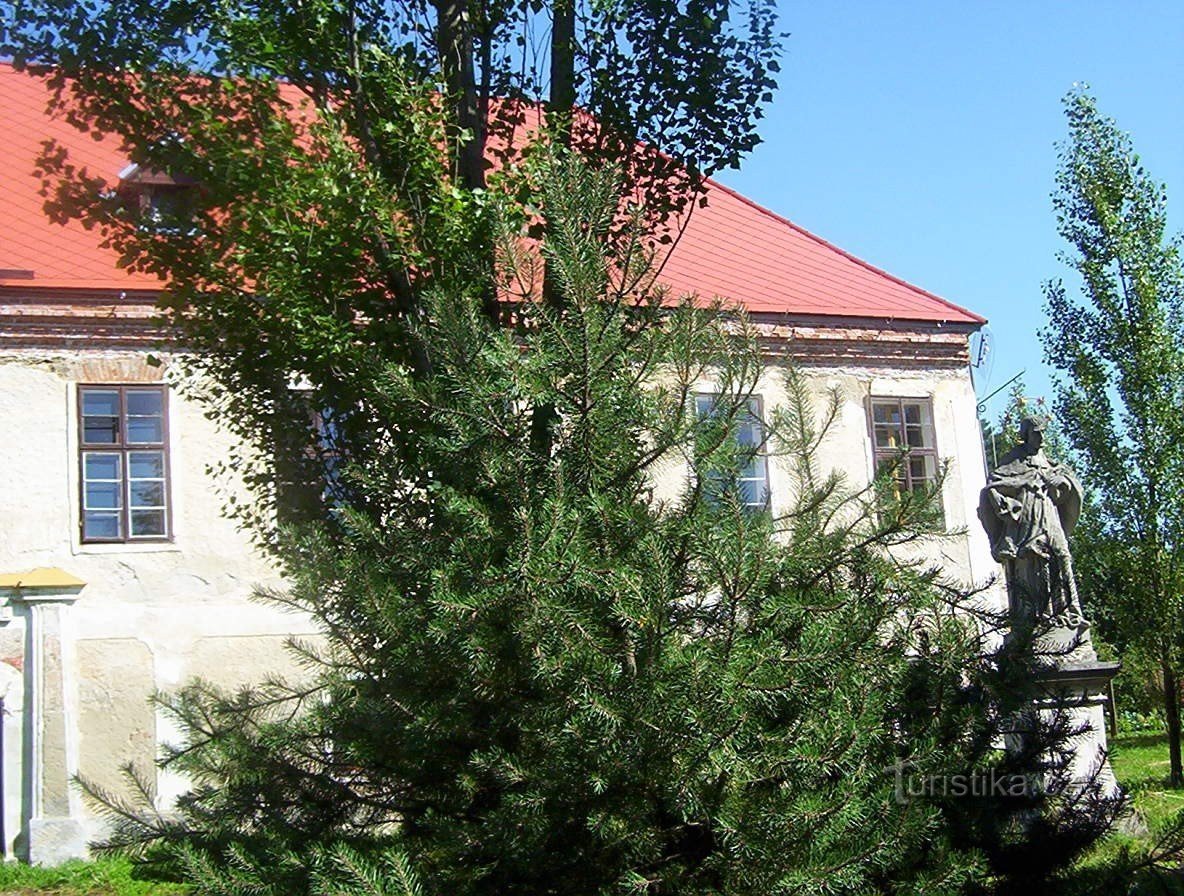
<point x="168" y="210"/>
<point x="308" y="462"/>
<point x="902" y="439"/>
<point x="164" y="204"/>
<point x="123" y="433"/>
<point x="752" y="477"/>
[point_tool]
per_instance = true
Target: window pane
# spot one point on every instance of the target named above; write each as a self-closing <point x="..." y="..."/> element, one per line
<point x="147" y="494"/>
<point x="100" y="430"/>
<point x="755" y="468"/>
<point x="100" y="524"/>
<point x="886" y="413"/>
<point x="918" y="413"/>
<point x="100" y="403"/>
<point x="101" y="465"/>
<point x="919" y="419"/>
<point x="144" y="403"/>
<point x="752" y="492"/>
<point x="146" y="464"/>
<point x="749" y="434"/>
<point x="144" y="430"/>
<point x="887" y="437"/>
<point x="922" y="469"/>
<point x="147" y="522"/>
<point x="704" y="405"/>
<point x="102" y="496"/>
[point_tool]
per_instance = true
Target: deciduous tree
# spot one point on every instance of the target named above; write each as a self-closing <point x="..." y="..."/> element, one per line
<point x="1121" y="348"/>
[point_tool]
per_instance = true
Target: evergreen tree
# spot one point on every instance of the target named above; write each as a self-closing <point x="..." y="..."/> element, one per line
<point x="538" y="677"/>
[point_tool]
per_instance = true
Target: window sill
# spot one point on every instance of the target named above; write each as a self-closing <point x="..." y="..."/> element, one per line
<point x="128" y="547"/>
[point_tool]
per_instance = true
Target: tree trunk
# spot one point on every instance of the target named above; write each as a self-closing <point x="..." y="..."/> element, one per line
<point x="454" y="42"/>
<point x="562" y="97"/>
<point x="1171" y="705"/>
<point x="467" y="128"/>
<point x="560" y="103"/>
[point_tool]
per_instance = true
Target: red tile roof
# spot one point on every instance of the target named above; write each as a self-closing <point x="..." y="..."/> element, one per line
<point x="731" y="248"/>
<point x="736" y="249"/>
<point x="66" y="256"/>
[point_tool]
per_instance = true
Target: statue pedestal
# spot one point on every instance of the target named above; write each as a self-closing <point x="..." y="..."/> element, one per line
<point x="1064" y="646"/>
<point x="1074" y="682"/>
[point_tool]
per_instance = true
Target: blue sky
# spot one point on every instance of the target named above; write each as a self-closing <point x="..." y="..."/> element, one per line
<point x="919" y="136"/>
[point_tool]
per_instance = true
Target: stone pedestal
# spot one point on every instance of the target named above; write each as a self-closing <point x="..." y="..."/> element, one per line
<point x="1073" y="682"/>
<point x="1082" y="691"/>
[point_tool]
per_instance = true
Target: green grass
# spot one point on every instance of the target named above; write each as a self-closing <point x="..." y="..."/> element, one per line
<point x="102" y="877"/>
<point x="1141" y="765"/>
<point x="1140" y="762"/>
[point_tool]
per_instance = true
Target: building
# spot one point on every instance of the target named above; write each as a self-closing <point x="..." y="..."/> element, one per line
<point x="118" y="572"/>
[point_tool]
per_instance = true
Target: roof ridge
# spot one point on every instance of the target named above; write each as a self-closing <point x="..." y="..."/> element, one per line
<point x="781" y="219"/>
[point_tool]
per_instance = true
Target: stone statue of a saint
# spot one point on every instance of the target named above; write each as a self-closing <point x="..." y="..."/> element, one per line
<point x="1029" y="507"/>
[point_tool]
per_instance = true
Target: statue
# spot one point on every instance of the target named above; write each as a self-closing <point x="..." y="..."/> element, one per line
<point x="1029" y="507"/>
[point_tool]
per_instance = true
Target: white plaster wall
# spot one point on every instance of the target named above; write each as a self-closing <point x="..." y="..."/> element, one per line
<point x="188" y="603"/>
<point x="171" y="600"/>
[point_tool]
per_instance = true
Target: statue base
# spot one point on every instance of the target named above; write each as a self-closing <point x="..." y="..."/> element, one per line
<point x="1074" y="684"/>
<point x="1064" y="646"/>
<point x="1081" y="690"/>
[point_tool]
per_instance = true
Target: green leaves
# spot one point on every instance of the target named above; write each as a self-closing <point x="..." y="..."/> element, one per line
<point x="1121" y="350"/>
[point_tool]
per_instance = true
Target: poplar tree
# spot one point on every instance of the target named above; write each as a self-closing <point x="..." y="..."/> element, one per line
<point x="1120" y="347"/>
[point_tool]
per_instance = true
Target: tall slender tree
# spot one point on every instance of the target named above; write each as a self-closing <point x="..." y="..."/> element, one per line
<point x="1121" y="348"/>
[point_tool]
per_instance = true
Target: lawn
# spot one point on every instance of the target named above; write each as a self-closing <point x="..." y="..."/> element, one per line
<point x="1140" y="762"/>
<point x="103" y="877"/>
<point x="1141" y="765"/>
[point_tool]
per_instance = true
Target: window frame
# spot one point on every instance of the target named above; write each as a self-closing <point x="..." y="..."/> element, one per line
<point x="758" y="414"/>
<point x="124" y="449"/>
<point x="882" y="454"/>
<point x="142" y="187"/>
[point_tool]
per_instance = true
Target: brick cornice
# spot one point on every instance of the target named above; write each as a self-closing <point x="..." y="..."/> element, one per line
<point x="95" y="319"/>
<point x="62" y="317"/>
<point x="839" y="342"/>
